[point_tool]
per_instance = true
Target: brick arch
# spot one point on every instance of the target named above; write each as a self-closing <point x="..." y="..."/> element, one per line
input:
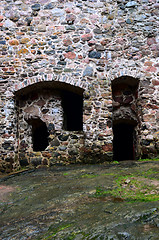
<point x="51" y="81"/>
<point x="123" y="71"/>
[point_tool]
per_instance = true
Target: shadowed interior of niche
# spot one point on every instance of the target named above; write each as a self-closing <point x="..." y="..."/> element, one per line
<point x="72" y="111"/>
<point x="39" y="135"/>
<point x="123" y="141"/>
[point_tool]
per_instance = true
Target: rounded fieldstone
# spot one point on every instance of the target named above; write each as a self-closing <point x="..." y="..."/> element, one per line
<point x="88" y="71"/>
<point x="63" y="137"/>
<point x="97" y="31"/>
<point x="9" y="24"/>
<point x="57" y="12"/>
<point x="13" y="16"/>
<point x="122" y="7"/>
<point x="73" y="136"/>
<point x="51" y="127"/>
<point x="28" y="20"/>
<point x="61" y="63"/>
<point x="7" y="145"/>
<point x="94" y="54"/>
<point x="73" y="151"/>
<point x="55" y="142"/>
<point x="129" y="21"/>
<point x="36" y="7"/>
<point x="62" y="148"/>
<point x="99" y="47"/>
<point x="51" y="52"/>
<point x="49" y="6"/>
<point x="131" y="4"/>
<point x="70" y="18"/>
<point x="56" y="154"/>
<point x="70" y="28"/>
<point x="86" y="37"/>
<point x="100" y="69"/>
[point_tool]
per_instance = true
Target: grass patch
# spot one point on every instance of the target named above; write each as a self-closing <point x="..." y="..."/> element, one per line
<point x="148" y="174"/>
<point x="133" y="189"/>
<point x="130" y="188"/>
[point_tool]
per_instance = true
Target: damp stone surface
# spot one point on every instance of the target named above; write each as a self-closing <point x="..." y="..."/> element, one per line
<point x="104" y="201"/>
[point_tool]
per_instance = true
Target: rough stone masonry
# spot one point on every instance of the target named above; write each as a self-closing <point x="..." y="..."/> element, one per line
<point x="79" y="81"/>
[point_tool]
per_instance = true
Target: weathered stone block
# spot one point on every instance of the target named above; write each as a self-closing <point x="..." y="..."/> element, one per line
<point x="88" y="71"/>
<point x="35" y="161"/>
<point x="73" y="151"/>
<point x="23" y="162"/>
<point x="94" y="54"/>
<point x="86" y="37"/>
<point x="55" y="142"/>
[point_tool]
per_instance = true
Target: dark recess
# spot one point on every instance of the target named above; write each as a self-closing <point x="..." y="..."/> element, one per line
<point x="123" y="142"/>
<point x="73" y="111"/>
<point x="39" y="135"/>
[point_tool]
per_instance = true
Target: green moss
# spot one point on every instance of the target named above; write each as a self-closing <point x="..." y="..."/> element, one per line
<point x="66" y="174"/>
<point x="115" y="162"/>
<point x="108" y="174"/>
<point x="52" y="231"/>
<point x="89" y="175"/>
<point x="148" y="159"/>
<point x="100" y="192"/>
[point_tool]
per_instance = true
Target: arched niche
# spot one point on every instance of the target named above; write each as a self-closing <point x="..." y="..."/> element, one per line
<point x="125" y="117"/>
<point x="45" y="104"/>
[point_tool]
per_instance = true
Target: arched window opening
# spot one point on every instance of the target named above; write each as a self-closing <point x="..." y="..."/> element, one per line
<point x="72" y="104"/>
<point x="39" y="135"/>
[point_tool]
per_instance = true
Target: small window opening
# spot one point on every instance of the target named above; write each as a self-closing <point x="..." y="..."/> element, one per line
<point x="39" y="135"/>
<point x="73" y="111"/>
<point x="123" y="142"/>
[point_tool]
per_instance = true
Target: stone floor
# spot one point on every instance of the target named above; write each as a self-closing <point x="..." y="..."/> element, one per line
<point x="81" y="202"/>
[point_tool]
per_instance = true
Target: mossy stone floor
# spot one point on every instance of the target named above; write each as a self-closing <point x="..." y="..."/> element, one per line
<point x="106" y="201"/>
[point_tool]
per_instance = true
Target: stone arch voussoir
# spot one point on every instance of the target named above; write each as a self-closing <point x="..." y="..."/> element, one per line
<point x="123" y="72"/>
<point x="51" y="79"/>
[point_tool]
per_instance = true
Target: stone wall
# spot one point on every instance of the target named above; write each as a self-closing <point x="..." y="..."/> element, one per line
<point x="81" y="46"/>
